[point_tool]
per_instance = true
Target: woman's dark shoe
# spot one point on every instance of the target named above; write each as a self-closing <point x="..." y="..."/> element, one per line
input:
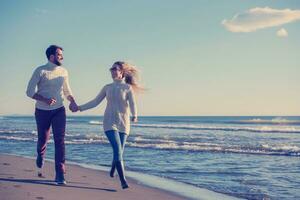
<point x="112" y="170"/>
<point x="120" y="169"/>
<point x="125" y="185"/>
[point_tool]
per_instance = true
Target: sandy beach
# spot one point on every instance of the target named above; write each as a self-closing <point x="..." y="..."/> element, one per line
<point x="19" y="181"/>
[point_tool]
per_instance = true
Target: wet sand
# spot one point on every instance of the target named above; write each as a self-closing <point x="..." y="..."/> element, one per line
<point x="19" y="181"/>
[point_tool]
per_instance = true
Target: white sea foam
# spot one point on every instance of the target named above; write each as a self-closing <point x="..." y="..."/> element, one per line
<point x="34" y="132"/>
<point x="259" y="128"/>
<point x="276" y="120"/>
<point x="275" y="129"/>
<point x="86" y="141"/>
<point x="16" y="138"/>
<point x="282" y="147"/>
<point x="13" y="131"/>
<point x="95" y="122"/>
<point x="211" y="147"/>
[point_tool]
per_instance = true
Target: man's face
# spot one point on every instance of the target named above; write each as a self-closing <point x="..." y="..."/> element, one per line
<point x="58" y="58"/>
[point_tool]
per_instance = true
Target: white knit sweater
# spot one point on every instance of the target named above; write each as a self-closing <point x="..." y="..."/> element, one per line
<point x="120" y="98"/>
<point x="49" y="81"/>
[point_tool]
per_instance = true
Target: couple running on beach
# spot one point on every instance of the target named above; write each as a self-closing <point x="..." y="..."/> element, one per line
<point x="49" y="85"/>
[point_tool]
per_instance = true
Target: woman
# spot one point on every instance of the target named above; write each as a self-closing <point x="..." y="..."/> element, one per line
<point x="116" y="122"/>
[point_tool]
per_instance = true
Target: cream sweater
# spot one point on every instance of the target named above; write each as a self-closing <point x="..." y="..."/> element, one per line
<point x="120" y="98"/>
<point x="51" y="81"/>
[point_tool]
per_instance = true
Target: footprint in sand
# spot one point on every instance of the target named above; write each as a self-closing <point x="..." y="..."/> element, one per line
<point x="39" y="197"/>
<point x="28" y="170"/>
<point x="40" y="175"/>
<point x="83" y="176"/>
<point x="17" y="186"/>
<point x="5" y="163"/>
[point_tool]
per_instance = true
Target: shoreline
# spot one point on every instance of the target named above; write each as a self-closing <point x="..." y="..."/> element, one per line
<point x="89" y="182"/>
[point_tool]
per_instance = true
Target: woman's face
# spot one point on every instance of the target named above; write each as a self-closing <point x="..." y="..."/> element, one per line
<point x="116" y="72"/>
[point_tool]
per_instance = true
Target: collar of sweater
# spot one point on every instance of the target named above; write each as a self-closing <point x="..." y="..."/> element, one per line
<point x="51" y="65"/>
<point x="119" y="80"/>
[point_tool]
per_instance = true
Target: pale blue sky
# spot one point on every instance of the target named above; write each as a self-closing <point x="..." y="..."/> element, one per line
<point x="191" y="62"/>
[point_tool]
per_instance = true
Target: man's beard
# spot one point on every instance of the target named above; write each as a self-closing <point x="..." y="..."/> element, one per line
<point x="57" y="63"/>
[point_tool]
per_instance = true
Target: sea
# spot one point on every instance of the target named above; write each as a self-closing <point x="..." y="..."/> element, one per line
<point x="250" y="157"/>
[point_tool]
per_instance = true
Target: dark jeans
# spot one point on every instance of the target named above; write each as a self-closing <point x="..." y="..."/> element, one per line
<point x="117" y="141"/>
<point x="57" y="119"/>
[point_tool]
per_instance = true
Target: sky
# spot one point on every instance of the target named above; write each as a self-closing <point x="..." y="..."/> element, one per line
<point x="196" y="57"/>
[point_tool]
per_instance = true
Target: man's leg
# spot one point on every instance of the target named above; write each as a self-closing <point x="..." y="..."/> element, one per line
<point x="43" y="122"/>
<point x="58" y="128"/>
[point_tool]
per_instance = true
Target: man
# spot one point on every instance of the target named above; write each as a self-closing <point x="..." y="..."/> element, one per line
<point x="51" y="81"/>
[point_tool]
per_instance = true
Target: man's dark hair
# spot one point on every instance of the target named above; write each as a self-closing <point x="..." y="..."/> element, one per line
<point x="51" y="50"/>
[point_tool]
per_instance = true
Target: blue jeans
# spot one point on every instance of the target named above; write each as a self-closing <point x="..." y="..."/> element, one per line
<point x="117" y="141"/>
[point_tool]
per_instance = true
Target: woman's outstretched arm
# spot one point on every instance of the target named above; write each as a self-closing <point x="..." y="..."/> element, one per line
<point x="95" y="102"/>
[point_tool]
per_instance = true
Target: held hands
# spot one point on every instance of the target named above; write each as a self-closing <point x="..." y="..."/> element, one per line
<point x="73" y="106"/>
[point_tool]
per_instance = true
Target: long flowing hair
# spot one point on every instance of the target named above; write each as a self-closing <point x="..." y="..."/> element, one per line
<point x="131" y="75"/>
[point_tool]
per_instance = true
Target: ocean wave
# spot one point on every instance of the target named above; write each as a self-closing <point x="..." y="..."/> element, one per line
<point x="18" y="132"/>
<point x="230" y="120"/>
<point x="159" y="143"/>
<point x="259" y="128"/>
<point x="67" y="140"/>
<point x="287" y="150"/>
<point x="12" y="131"/>
<point x="86" y="141"/>
<point x="16" y="138"/>
<point x="276" y="120"/>
<point x="94" y="122"/>
<point x="268" y="129"/>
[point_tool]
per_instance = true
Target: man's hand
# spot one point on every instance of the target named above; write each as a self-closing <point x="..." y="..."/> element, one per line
<point x="73" y="106"/>
<point x="50" y="101"/>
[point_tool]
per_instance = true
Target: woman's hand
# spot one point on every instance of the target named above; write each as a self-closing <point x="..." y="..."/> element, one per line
<point x="134" y="119"/>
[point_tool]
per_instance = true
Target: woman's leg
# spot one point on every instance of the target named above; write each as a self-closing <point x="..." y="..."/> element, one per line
<point x="115" y="141"/>
<point x="123" y="138"/>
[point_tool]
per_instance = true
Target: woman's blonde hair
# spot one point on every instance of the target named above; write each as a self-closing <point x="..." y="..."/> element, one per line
<point x="131" y="75"/>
